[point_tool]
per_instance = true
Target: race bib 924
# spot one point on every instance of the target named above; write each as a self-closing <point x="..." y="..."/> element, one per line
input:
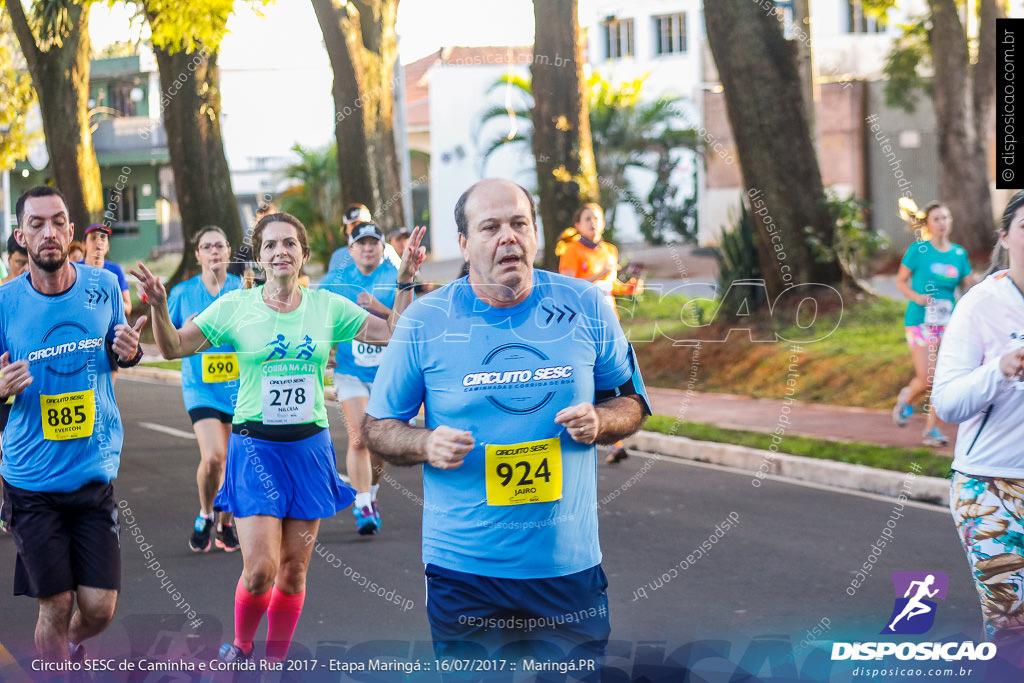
<point x="528" y="472"/>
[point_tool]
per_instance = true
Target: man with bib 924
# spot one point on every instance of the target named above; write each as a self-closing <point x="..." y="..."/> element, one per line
<point x="521" y="372"/>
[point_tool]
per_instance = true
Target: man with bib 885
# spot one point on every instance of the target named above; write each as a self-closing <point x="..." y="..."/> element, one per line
<point x="62" y="447"/>
<point x="521" y="372"/>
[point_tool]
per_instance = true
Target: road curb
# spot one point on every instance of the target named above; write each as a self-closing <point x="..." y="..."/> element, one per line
<point x="826" y="472"/>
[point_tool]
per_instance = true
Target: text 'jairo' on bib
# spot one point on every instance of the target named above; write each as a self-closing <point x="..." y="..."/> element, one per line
<point x="366" y="355"/>
<point x="68" y="416"/>
<point x="528" y="472"/>
<point x="219" y="367"/>
<point x="289" y="392"/>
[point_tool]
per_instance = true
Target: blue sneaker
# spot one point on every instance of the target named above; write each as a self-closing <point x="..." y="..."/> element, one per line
<point x="366" y="521"/>
<point x="376" y="514"/>
<point x="903" y="410"/>
<point x="232" y="653"/>
<point x="933" y="437"/>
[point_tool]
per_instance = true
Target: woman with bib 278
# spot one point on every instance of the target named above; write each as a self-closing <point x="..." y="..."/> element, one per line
<point x="928" y="276"/>
<point x="281" y="476"/>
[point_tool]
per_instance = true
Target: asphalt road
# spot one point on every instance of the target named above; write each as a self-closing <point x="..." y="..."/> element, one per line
<point x="777" y="570"/>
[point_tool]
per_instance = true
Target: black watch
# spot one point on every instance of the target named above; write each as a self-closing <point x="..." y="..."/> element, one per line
<point x="131" y="363"/>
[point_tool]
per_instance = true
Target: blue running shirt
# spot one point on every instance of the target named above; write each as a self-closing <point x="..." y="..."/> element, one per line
<point x="503" y="374"/>
<point x="356" y="358"/>
<point x="191" y="298"/>
<point x="65" y="429"/>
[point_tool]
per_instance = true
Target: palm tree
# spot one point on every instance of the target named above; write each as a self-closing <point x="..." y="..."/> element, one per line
<point x="316" y="198"/>
<point x="627" y="133"/>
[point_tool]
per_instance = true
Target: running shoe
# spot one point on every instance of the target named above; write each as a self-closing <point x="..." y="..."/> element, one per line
<point x="617" y="455"/>
<point x="376" y="514"/>
<point x="77" y="658"/>
<point x="903" y="410"/>
<point x="230" y="652"/>
<point x="934" y="437"/>
<point x="366" y="521"/>
<point x="202" y="535"/>
<point x="227" y="538"/>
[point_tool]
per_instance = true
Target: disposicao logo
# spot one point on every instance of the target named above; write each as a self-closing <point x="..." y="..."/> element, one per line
<point x="913" y="613"/>
<point x="914" y="610"/>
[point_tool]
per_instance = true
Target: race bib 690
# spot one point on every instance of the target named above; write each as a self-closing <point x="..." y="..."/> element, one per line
<point x="219" y="367"/>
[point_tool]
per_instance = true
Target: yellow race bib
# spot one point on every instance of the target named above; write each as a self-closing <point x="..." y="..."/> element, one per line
<point x="68" y="416"/>
<point x="220" y="367"/>
<point x="529" y="472"/>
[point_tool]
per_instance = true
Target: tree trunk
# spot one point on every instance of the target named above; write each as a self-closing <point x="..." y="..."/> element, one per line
<point x="60" y="75"/>
<point x="190" y="87"/>
<point x="964" y="98"/>
<point x="756" y="65"/>
<point x="363" y="49"/>
<point x="562" y="146"/>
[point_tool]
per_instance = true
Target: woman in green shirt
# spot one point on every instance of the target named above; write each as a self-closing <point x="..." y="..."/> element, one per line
<point x="281" y="476"/>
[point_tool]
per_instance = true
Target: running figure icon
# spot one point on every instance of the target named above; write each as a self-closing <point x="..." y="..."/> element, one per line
<point x="915" y="606"/>
<point x="280" y="346"/>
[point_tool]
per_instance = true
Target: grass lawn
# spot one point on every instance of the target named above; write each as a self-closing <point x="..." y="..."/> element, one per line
<point x="853" y="356"/>
<point x="882" y="457"/>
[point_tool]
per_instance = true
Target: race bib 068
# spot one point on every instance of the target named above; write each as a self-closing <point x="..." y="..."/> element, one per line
<point x="366" y="355"/>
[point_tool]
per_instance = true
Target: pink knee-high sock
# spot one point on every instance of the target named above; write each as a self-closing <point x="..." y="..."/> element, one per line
<point x="249" y="609"/>
<point x="282" y="618"/>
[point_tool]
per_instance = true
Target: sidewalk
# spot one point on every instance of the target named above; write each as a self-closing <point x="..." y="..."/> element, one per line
<point x="835" y="423"/>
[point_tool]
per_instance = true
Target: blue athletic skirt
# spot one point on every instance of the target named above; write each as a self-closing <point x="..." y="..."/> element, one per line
<point x="296" y="479"/>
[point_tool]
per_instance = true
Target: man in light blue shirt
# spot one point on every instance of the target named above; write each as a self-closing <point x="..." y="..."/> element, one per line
<point x="356" y="214"/>
<point x="371" y="282"/>
<point x="61" y="327"/>
<point x="521" y="372"/>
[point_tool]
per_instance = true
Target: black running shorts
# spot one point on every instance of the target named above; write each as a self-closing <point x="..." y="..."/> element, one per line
<point x="64" y="540"/>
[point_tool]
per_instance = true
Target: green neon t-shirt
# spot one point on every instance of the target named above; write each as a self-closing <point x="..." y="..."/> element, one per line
<point x="281" y="356"/>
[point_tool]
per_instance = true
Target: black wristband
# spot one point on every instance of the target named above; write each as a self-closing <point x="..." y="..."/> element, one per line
<point x="406" y="286"/>
<point x="131" y="363"/>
